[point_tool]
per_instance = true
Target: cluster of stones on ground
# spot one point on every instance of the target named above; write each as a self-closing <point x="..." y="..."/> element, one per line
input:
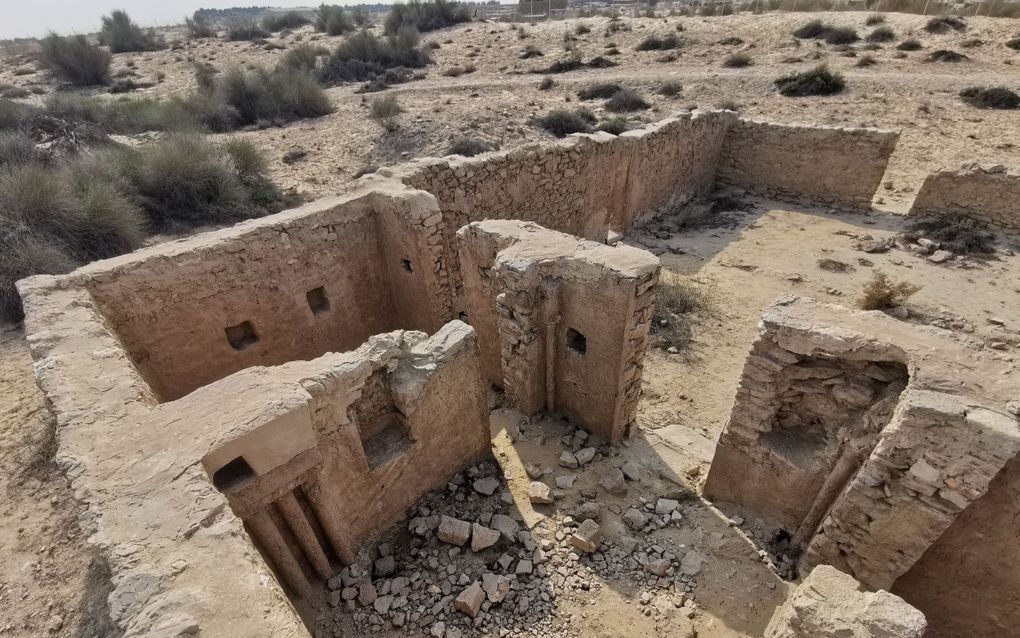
<point x="466" y="565"/>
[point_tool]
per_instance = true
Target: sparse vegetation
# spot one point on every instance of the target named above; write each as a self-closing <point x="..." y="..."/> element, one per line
<point x="582" y="29"/>
<point x="241" y="97"/>
<point x="679" y="305"/>
<point x="385" y="111"/>
<point x="546" y="84"/>
<point x="737" y="60"/>
<point x="626" y="100"/>
<point x="910" y="44"/>
<point x="882" y="34"/>
<point x="998" y="97"/>
<point x="614" y="125"/>
<point x="865" y="61"/>
<point x="835" y="265"/>
<point x="817" y="81"/>
<point x="457" y="70"/>
<point x="427" y="15"/>
<point x="468" y="146"/>
<point x="670" y="88"/>
<point x="956" y="233"/>
<point x="288" y="20"/>
<point x="332" y="20"/>
<point x="881" y="293"/>
<point x="945" y="55"/>
<point x="530" y="51"/>
<point x="364" y="56"/>
<point x="303" y="56"/>
<point x="1014" y="43"/>
<point x="73" y="59"/>
<point x="659" y="43"/>
<point x="810" y="30"/>
<point x="600" y="91"/>
<point x="945" y="24"/>
<point x="242" y="30"/>
<point x="816" y="29"/>
<point x="122" y="35"/>
<point x="873" y="19"/>
<point x="562" y="122"/>
<point x="198" y="27"/>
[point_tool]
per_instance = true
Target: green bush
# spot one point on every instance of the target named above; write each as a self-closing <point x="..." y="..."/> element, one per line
<point x="279" y="21"/>
<point x="561" y="122"/>
<point x="600" y="91"/>
<point x="625" y="101"/>
<point x="817" y="81"/>
<point x="242" y="30"/>
<point x="124" y="36"/>
<point x="990" y="98"/>
<point x="332" y="19"/>
<point x="468" y="146"/>
<point x="882" y="34"/>
<point x="386" y="112"/>
<point x="198" y="27"/>
<point x="73" y="59"/>
<point x="364" y="56"/>
<point x="737" y="60"/>
<point x="659" y="43"/>
<point x="425" y="16"/>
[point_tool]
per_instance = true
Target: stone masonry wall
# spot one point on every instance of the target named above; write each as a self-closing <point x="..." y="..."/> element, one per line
<point x="988" y="194"/>
<point x="936" y="456"/>
<point x="828" y="165"/>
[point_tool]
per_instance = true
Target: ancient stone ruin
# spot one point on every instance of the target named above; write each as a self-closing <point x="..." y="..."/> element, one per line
<point x="244" y="410"/>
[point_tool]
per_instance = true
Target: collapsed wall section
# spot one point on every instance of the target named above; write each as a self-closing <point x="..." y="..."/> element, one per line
<point x="894" y="484"/>
<point x="531" y="294"/>
<point x="829" y="165"/>
<point x="320" y="278"/>
<point x="987" y="194"/>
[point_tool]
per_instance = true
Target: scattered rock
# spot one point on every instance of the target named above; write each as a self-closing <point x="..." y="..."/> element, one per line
<point x="482" y="537"/>
<point x="691" y="563"/>
<point x="614" y="482"/>
<point x="470" y="600"/>
<point x="588" y="537"/>
<point x="585" y="455"/>
<point x="665" y="505"/>
<point x="506" y="526"/>
<point x="631" y="471"/>
<point x="385" y="566"/>
<point x="540" y="493"/>
<point x="486" y="486"/>
<point x="657" y="567"/>
<point x="635" y="518"/>
<point x="366" y="594"/>
<point x="495" y="586"/>
<point x="565" y="482"/>
<point x="568" y="460"/>
<point x="940" y="256"/>
<point x="534" y="472"/>
<point x="454" y="531"/>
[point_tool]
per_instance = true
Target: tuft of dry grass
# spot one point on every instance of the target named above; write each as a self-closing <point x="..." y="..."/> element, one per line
<point x="679" y="305"/>
<point x="881" y="293"/>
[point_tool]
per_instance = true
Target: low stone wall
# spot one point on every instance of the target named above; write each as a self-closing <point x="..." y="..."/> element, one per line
<point x="831" y="604"/>
<point x="871" y="498"/>
<point x="531" y="293"/>
<point x="828" y="165"/>
<point x="990" y="195"/>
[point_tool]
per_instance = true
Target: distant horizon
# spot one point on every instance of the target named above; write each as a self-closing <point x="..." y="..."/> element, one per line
<point x="35" y="20"/>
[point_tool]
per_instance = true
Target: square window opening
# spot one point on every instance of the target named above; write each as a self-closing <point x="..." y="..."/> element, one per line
<point x="232" y="475"/>
<point x="242" y="335"/>
<point x="318" y="302"/>
<point x="577" y="342"/>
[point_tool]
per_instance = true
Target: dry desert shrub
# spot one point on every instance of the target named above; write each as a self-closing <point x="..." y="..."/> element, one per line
<point x="281" y="21"/>
<point x="425" y="16"/>
<point x="659" y="43"/>
<point x="122" y="35"/>
<point x="998" y="97"/>
<point x="910" y="44"/>
<point x="364" y="55"/>
<point x="737" y="60"/>
<point x="561" y="122"/>
<point x="599" y="91"/>
<point x="881" y="34"/>
<point x="385" y="111"/>
<point x="873" y="19"/>
<point x="625" y="101"/>
<point x="670" y="88"/>
<point x="245" y="30"/>
<point x="881" y="293"/>
<point x="945" y="24"/>
<point x="332" y="20"/>
<point x="75" y="60"/>
<point x="945" y="55"/>
<point x="679" y="304"/>
<point x="817" y="81"/>
<point x="198" y="27"/>
<point x="956" y="233"/>
<point x="614" y="125"/>
<point x="468" y="146"/>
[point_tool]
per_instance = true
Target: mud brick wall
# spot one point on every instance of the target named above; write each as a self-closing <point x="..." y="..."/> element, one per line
<point x="823" y="164"/>
<point x="320" y="278"/>
<point x="990" y="195"/>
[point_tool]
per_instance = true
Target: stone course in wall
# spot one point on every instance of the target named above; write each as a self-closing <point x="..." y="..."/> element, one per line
<point x="831" y="604"/>
<point x="829" y="165"/>
<point x="530" y="292"/>
<point x="989" y="194"/>
<point x="870" y="496"/>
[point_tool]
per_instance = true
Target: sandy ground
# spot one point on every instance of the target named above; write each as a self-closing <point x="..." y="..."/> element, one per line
<point x="48" y="582"/>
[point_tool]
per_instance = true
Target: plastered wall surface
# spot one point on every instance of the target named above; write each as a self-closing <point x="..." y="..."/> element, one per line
<point x="825" y="164"/>
<point x="884" y="499"/>
<point x="531" y="291"/>
<point x="990" y="194"/>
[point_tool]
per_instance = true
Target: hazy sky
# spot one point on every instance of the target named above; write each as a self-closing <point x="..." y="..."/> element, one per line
<point x="23" y="18"/>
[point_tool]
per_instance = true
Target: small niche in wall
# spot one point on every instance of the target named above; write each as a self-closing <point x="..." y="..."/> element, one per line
<point x="406" y="265"/>
<point x="233" y="474"/>
<point x="385" y="438"/>
<point x="577" y="342"/>
<point x="242" y="335"/>
<point x="317" y="300"/>
<point x="464" y="317"/>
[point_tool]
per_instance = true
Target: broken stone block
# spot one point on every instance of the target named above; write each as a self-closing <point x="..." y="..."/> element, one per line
<point x="470" y="600"/>
<point x="453" y="531"/>
<point x="614" y="482"/>
<point x="486" y="486"/>
<point x="524" y="567"/>
<point x="657" y="567"/>
<point x="534" y="472"/>
<point x="506" y="526"/>
<point x="631" y="471"/>
<point x="540" y="493"/>
<point x="635" y="518"/>
<point x="385" y="566"/>
<point x="495" y="586"/>
<point x="587" y="537"/>
<point x="366" y="594"/>
<point x="691" y="563"/>
<point x="482" y="537"/>
<point x="382" y="604"/>
<point x="586" y="510"/>
<point x="831" y="604"/>
<point x="665" y="505"/>
<point x="568" y="460"/>
<point x="585" y="455"/>
<point x="565" y="482"/>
